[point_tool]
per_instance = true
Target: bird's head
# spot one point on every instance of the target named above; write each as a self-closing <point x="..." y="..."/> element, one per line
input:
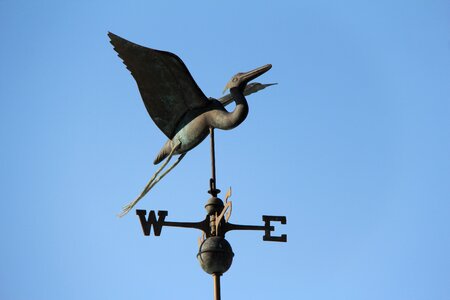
<point x="240" y="80"/>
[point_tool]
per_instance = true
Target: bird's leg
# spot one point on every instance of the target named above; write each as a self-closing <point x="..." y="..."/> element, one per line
<point x="169" y="157"/>
<point x="167" y="171"/>
<point x="154" y="179"/>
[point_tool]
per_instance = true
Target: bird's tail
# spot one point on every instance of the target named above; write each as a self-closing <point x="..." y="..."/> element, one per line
<point x="164" y="152"/>
<point x="154" y="180"/>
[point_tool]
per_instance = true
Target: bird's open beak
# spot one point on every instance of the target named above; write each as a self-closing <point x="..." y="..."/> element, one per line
<point x="247" y="76"/>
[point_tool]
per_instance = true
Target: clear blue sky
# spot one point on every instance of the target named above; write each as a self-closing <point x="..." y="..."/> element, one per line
<point x="353" y="146"/>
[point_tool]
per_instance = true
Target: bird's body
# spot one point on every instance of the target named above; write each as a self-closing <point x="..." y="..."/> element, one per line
<point x="194" y="127"/>
<point x="190" y="132"/>
<point x="175" y="102"/>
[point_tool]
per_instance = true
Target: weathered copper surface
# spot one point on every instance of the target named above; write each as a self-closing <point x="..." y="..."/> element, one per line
<point x="173" y="99"/>
<point x="178" y="106"/>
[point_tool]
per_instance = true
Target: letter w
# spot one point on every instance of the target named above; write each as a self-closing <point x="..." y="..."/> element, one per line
<point x="151" y="220"/>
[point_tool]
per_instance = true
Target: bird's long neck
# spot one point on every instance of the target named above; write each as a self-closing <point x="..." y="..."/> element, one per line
<point x="226" y="120"/>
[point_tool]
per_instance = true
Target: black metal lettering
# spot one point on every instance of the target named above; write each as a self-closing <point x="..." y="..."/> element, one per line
<point x="151" y="220"/>
<point x="268" y="228"/>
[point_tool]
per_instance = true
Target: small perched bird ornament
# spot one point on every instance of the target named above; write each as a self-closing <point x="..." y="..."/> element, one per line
<point x="177" y="105"/>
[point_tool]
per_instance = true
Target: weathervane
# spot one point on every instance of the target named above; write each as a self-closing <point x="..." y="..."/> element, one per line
<point x="186" y="116"/>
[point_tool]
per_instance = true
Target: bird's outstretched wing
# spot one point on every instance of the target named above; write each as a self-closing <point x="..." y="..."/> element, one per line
<point x="165" y="84"/>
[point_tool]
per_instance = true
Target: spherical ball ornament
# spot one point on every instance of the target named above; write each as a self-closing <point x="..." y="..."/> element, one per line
<point x="215" y="255"/>
<point x="214" y="205"/>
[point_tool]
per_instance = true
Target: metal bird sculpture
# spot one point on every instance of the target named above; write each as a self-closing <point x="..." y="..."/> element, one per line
<point x="177" y="105"/>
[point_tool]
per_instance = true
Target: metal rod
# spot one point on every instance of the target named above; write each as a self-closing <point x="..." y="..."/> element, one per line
<point x="213" y="190"/>
<point x="231" y="226"/>
<point x="216" y="278"/>
<point x="213" y="155"/>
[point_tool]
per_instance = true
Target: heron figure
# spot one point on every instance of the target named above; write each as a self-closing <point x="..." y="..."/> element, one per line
<point x="176" y="103"/>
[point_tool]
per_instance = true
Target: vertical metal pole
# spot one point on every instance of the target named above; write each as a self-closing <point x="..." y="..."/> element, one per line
<point x="216" y="278"/>
<point x="213" y="155"/>
<point x="213" y="191"/>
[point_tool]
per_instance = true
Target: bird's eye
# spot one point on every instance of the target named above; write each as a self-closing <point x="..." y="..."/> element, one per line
<point x="235" y="79"/>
